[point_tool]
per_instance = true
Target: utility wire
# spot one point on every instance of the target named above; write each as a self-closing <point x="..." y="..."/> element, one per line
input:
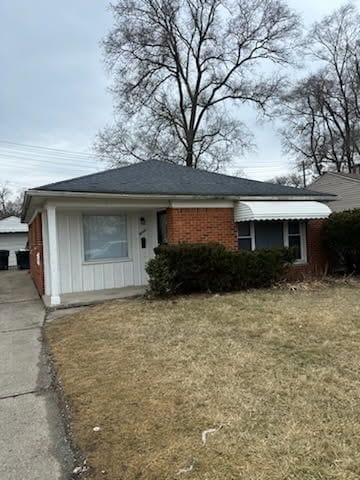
<point x="86" y="154"/>
<point x="53" y="161"/>
<point x="45" y="148"/>
<point x="43" y="154"/>
<point x="29" y="156"/>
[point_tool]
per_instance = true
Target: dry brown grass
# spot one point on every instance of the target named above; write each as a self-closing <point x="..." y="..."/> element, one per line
<point x="278" y="369"/>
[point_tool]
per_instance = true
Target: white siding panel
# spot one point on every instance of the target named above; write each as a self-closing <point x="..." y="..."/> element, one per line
<point x="347" y="189"/>
<point x="47" y="279"/>
<point x="88" y="277"/>
<point x="76" y="252"/>
<point x="108" y="275"/>
<point x="62" y="222"/>
<point x="77" y="276"/>
<point x="99" y="283"/>
<point x="128" y="274"/>
<point x="118" y="275"/>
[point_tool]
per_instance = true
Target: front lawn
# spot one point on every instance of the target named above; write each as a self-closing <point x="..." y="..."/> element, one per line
<point x="275" y="374"/>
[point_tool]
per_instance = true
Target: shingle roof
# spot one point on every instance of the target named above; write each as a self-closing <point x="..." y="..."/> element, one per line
<point x="163" y="178"/>
<point x="12" y="225"/>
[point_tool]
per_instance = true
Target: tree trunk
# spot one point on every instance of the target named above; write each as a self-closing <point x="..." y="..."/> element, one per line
<point x="189" y="158"/>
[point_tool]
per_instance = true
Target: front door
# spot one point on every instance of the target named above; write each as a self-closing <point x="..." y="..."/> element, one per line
<point x="144" y="244"/>
<point x="151" y="230"/>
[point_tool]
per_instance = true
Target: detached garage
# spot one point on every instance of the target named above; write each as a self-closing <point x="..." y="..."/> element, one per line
<point x="13" y="236"/>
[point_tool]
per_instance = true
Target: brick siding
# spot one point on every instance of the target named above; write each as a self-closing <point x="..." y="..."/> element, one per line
<point x="317" y="262"/>
<point x="202" y="225"/>
<point x="36" y="253"/>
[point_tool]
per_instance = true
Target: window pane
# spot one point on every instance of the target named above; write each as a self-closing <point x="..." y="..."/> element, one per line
<point x="295" y="241"/>
<point x="162" y="227"/>
<point x="105" y="237"/>
<point x="294" y="228"/>
<point x="269" y="234"/>
<point x="244" y="229"/>
<point x="244" y="243"/>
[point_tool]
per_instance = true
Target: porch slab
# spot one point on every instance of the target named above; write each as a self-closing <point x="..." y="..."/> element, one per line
<point x="93" y="297"/>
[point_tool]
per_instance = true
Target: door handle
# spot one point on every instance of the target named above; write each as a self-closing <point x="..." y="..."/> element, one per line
<point x="143" y="242"/>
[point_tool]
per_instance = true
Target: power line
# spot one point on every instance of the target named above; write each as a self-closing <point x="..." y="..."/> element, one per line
<point x="46" y="148"/>
<point x="89" y="155"/>
<point x="44" y="154"/>
<point x="12" y="158"/>
<point x="61" y="162"/>
<point x="30" y="156"/>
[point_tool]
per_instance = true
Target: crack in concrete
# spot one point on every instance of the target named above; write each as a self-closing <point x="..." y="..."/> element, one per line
<point x="21" y="394"/>
<point x="20" y="329"/>
<point x="26" y="300"/>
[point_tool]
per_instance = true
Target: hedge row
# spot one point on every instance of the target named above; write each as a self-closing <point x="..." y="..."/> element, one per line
<point x="187" y="268"/>
<point x="341" y="236"/>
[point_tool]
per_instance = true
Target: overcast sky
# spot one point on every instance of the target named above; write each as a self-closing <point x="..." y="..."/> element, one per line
<point x="53" y="91"/>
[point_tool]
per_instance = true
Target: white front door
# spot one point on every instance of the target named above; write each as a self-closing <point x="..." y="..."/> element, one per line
<point x="147" y="241"/>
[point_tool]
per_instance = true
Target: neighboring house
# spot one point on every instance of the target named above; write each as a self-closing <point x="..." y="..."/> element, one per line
<point x="13" y="236"/>
<point x="345" y="185"/>
<point x="98" y="231"/>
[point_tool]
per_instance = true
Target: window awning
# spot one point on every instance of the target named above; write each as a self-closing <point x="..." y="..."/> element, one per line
<point x="279" y="210"/>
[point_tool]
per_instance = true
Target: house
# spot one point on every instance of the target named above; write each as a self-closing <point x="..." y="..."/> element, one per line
<point x="13" y="236"/>
<point x="345" y="185"/>
<point x="98" y="231"/>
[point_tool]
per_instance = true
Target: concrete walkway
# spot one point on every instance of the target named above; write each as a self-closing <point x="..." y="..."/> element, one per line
<point x="94" y="297"/>
<point x="32" y="439"/>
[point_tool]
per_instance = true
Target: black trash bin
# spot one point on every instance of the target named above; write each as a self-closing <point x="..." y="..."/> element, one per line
<point x="4" y="259"/>
<point x="22" y="259"/>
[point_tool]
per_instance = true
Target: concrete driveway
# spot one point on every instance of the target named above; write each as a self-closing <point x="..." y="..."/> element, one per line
<point x="32" y="441"/>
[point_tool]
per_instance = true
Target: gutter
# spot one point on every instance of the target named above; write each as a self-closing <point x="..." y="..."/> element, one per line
<point x="143" y="196"/>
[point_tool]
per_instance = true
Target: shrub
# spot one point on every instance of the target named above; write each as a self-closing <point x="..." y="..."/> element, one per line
<point x="159" y="276"/>
<point x="187" y="268"/>
<point x="341" y="235"/>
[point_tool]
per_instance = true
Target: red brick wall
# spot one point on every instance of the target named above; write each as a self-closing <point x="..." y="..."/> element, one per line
<point x="316" y="258"/>
<point x="36" y="253"/>
<point x="202" y="225"/>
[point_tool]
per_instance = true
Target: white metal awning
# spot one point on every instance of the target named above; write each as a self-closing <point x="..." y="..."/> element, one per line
<point x="279" y="210"/>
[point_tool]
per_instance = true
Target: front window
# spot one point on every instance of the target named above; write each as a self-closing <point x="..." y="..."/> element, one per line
<point x="105" y="237"/>
<point x="269" y="234"/>
<point x="244" y="236"/>
<point x="273" y="234"/>
<point x="294" y="238"/>
<point x="162" y="227"/>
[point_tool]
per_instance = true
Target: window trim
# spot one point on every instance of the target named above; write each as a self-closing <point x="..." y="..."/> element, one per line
<point x="98" y="261"/>
<point x="303" y="244"/>
<point x="159" y="213"/>
<point x="251" y="236"/>
<point x="302" y="233"/>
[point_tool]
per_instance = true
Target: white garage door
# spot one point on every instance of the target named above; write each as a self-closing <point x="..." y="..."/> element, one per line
<point x="12" y="242"/>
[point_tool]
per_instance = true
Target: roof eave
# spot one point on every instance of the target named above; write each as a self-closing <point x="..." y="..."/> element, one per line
<point x="140" y="196"/>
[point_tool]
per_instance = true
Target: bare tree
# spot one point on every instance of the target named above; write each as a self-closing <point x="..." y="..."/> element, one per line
<point x="290" y="180"/>
<point x="321" y="111"/>
<point x="179" y="67"/>
<point x="10" y="204"/>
